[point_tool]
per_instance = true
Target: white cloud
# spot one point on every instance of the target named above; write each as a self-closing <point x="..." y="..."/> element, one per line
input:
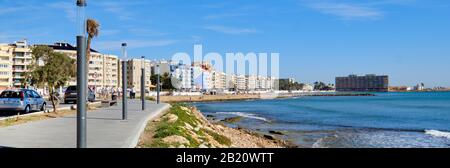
<point x="132" y="44"/>
<point x="224" y="15"/>
<point x="348" y="11"/>
<point x="145" y="32"/>
<point x="68" y="8"/>
<point x="4" y="10"/>
<point x="109" y="32"/>
<point x="231" y="30"/>
<point x="117" y="8"/>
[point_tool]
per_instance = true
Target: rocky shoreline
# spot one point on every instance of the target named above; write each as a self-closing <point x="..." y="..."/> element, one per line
<point x="185" y="127"/>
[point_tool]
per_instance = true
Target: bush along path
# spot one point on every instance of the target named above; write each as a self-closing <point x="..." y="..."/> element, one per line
<point x="183" y="126"/>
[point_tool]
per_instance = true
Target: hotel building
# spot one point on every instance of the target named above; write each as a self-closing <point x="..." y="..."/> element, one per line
<point x="370" y="83"/>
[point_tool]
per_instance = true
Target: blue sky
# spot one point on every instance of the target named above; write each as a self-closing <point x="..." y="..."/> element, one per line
<point x="317" y="39"/>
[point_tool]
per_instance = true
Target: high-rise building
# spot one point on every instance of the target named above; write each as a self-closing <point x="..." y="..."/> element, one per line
<point x="370" y="83"/>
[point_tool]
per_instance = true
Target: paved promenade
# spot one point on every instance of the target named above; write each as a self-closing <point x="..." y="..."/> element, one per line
<point x="105" y="129"/>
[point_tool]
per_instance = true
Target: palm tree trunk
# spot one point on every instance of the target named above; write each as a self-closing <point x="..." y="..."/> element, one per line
<point x="88" y="49"/>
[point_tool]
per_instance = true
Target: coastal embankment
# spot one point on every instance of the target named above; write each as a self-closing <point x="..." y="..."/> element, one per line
<point x="236" y="97"/>
<point x="183" y="126"/>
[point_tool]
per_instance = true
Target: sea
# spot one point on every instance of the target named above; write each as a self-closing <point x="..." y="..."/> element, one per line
<point x="386" y="120"/>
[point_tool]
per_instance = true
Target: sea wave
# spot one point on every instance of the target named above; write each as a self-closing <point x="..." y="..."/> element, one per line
<point x="437" y="133"/>
<point x="321" y="143"/>
<point x="245" y="115"/>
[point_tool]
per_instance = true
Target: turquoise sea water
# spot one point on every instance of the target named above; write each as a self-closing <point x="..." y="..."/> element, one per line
<point x="400" y="120"/>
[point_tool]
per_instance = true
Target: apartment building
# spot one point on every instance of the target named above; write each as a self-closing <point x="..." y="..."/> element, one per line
<point x="21" y="59"/>
<point x="261" y="83"/>
<point x="110" y="71"/>
<point x="6" y="54"/>
<point x="202" y="79"/>
<point x="134" y="73"/>
<point x="103" y="69"/>
<point x="219" y="80"/>
<point x="250" y="82"/>
<point x="241" y="82"/>
<point x="183" y="75"/>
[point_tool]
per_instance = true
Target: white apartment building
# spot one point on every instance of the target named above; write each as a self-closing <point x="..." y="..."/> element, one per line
<point x="241" y="82"/>
<point x="21" y="59"/>
<point x="111" y="71"/>
<point x="183" y="74"/>
<point x="202" y="79"/>
<point x="164" y="67"/>
<point x="6" y="54"/>
<point x="219" y="80"/>
<point x="250" y="82"/>
<point x="103" y="69"/>
<point x="261" y="83"/>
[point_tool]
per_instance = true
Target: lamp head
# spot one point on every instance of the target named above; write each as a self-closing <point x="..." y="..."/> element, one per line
<point x="81" y="3"/>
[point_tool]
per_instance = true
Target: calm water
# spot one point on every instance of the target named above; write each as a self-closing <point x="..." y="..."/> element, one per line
<point x="402" y="120"/>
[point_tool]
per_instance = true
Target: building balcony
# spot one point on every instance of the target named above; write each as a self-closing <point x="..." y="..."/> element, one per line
<point x="20" y="70"/>
<point x="21" y="63"/>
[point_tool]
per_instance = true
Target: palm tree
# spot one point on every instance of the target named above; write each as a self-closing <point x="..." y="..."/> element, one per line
<point x="92" y="27"/>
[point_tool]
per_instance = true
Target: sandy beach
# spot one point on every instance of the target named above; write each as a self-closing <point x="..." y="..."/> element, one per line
<point x="207" y="98"/>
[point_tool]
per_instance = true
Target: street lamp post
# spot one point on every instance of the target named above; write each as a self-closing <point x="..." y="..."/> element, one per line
<point x="158" y="85"/>
<point x="143" y="83"/>
<point x="81" y="75"/>
<point x="124" y="83"/>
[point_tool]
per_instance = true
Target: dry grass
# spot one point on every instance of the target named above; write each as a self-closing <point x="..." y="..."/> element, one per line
<point x="37" y="117"/>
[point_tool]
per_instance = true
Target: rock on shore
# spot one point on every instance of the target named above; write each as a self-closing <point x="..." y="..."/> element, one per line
<point x="186" y="127"/>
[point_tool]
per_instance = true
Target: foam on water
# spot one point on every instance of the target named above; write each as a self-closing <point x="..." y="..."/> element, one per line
<point x="439" y="134"/>
<point x="245" y="115"/>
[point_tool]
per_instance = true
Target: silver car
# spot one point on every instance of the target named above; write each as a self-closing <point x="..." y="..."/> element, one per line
<point x="23" y="100"/>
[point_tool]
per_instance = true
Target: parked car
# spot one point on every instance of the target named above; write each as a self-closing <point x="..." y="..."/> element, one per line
<point x="23" y="100"/>
<point x="71" y="95"/>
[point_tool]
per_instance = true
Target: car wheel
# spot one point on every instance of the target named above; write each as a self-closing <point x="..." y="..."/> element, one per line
<point x="27" y="109"/>
<point x="44" y="107"/>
